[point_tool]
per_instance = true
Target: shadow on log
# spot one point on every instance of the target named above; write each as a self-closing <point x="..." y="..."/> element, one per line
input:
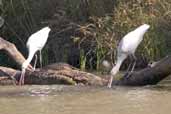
<point x="61" y="73"/>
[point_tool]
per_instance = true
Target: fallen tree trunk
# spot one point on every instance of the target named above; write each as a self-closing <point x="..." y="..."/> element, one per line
<point x="65" y="74"/>
<point x="12" y="52"/>
<point x="51" y="74"/>
<point x="148" y="76"/>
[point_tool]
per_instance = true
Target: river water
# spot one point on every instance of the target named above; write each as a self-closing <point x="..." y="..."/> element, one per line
<point x="59" y="99"/>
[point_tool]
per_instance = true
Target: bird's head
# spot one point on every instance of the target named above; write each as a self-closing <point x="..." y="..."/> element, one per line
<point x="25" y="65"/>
<point x="114" y="70"/>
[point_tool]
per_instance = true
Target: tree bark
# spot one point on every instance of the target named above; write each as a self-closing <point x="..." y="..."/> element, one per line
<point x="62" y="73"/>
<point x="11" y="51"/>
<point x="148" y="76"/>
<point x="52" y="74"/>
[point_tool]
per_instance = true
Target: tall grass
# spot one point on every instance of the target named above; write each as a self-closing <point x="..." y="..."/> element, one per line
<point x="20" y="23"/>
<point x="82" y="60"/>
<point x="128" y="15"/>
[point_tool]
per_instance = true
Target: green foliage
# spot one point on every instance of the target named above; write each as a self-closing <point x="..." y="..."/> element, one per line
<point x="82" y="60"/>
<point x="130" y="14"/>
<point x="22" y="18"/>
<point x="107" y="31"/>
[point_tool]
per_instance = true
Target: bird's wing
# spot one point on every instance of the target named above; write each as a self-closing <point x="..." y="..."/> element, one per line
<point x="129" y="43"/>
<point x="37" y="40"/>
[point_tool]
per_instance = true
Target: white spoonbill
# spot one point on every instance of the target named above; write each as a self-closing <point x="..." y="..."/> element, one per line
<point x="35" y="43"/>
<point x="128" y="46"/>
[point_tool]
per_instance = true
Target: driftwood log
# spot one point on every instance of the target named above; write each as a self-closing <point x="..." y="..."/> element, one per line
<point x="61" y="73"/>
<point x="11" y="51"/>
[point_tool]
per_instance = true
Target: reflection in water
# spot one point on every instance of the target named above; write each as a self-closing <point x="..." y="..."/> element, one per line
<point x="84" y="100"/>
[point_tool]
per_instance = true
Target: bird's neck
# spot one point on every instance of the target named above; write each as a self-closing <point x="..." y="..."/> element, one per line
<point x="116" y="68"/>
<point x="28" y="60"/>
<point x="30" y="56"/>
<point x="118" y="63"/>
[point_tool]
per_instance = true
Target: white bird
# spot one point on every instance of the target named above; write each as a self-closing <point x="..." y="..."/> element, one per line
<point x="127" y="47"/>
<point x="35" y="43"/>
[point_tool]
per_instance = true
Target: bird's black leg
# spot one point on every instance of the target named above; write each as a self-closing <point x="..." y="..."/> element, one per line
<point x="129" y="66"/>
<point x="135" y="60"/>
<point x="40" y="58"/>
<point x="35" y="62"/>
<point x="21" y="81"/>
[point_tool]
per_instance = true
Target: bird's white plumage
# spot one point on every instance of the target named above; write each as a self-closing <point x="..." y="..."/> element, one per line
<point x="35" y="43"/>
<point x="128" y="46"/>
<point x="130" y="42"/>
<point x="37" y="40"/>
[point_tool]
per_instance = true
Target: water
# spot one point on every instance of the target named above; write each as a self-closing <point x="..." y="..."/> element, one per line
<point x="85" y="100"/>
